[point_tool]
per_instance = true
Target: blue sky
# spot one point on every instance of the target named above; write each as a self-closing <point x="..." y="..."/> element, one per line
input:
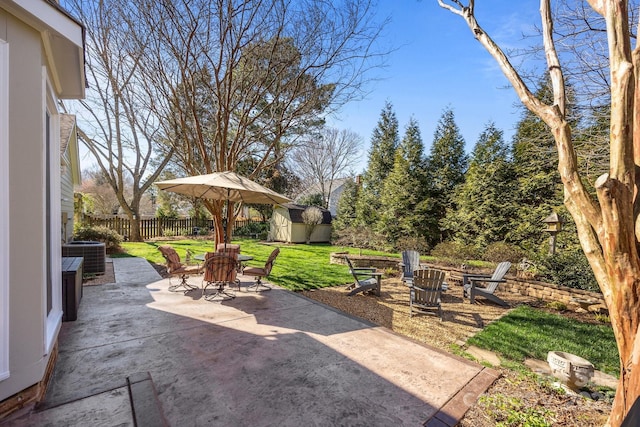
<point x="439" y="64"/>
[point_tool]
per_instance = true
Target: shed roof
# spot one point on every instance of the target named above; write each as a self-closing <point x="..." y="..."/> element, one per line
<point x="295" y="213"/>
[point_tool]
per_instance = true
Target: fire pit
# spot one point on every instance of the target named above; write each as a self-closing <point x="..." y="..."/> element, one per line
<point x="572" y="370"/>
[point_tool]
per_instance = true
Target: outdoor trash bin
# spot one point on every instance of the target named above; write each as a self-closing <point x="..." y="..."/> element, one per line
<point x="71" y="287"/>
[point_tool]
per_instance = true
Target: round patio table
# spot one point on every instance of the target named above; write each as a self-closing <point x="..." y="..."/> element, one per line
<point x="241" y="258"/>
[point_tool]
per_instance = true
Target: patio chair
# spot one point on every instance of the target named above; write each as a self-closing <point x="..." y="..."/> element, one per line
<point x="260" y="272"/>
<point x="426" y="291"/>
<point x="410" y="263"/>
<point x="230" y="249"/>
<point x="176" y="268"/>
<point x="366" y="279"/>
<point x="472" y="290"/>
<point x="219" y="271"/>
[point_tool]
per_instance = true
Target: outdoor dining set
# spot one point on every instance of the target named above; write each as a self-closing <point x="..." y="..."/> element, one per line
<point x="219" y="269"/>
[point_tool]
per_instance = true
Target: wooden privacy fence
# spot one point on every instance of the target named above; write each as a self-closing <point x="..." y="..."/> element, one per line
<point x="158" y="227"/>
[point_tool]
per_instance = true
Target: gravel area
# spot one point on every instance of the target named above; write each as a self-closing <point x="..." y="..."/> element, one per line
<point x="391" y="309"/>
<point x="101" y="279"/>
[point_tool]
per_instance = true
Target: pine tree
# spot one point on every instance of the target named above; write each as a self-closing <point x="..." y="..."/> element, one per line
<point x="539" y="188"/>
<point x="484" y="211"/>
<point x="346" y="211"/>
<point x="384" y="143"/>
<point x="447" y="164"/>
<point x="402" y="214"/>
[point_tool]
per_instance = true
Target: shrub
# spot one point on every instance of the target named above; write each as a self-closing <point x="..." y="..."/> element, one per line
<point x="358" y="237"/>
<point x="568" y="268"/>
<point x="500" y="251"/>
<point x="167" y="232"/>
<point x="454" y="252"/>
<point x="557" y="305"/>
<point x="110" y="238"/>
<point x="253" y="228"/>
<point x="311" y="216"/>
<point x="412" y="243"/>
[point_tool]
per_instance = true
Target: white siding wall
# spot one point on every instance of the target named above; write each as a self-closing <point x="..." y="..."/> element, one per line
<point x="5" y="266"/>
<point x="30" y="331"/>
<point x="66" y="203"/>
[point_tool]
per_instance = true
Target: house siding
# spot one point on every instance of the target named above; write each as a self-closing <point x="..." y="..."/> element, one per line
<point x="27" y="330"/>
<point x="66" y="203"/>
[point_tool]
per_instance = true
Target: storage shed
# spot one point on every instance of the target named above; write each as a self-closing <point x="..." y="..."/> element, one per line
<point x="287" y="225"/>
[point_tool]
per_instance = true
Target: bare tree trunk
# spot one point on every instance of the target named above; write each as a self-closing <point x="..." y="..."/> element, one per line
<point x="121" y="134"/>
<point x="135" y="229"/>
<point x="607" y="227"/>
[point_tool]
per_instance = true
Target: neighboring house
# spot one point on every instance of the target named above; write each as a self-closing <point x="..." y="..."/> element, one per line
<point x="287" y="225"/>
<point x="70" y="173"/>
<point x="41" y="62"/>
<point x="337" y="186"/>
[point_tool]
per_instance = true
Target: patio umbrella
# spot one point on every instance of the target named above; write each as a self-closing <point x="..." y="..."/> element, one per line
<point x="227" y="186"/>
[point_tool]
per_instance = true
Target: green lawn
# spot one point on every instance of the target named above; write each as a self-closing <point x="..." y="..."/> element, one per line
<point x="298" y="267"/>
<point x="529" y="333"/>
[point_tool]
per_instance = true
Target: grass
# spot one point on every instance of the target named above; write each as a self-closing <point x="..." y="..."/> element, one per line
<point x="529" y="333"/>
<point x="298" y="267"/>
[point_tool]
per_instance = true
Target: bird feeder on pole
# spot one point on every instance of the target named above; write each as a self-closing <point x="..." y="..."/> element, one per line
<point x="554" y="226"/>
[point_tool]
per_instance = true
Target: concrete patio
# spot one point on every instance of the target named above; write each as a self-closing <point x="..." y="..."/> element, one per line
<point x="139" y="352"/>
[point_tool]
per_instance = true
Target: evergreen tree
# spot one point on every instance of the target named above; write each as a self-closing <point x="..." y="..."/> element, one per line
<point x="445" y="170"/>
<point x="402" y="213"/>
<point x="346" y="211"/>
<point x="539" y="188"/>
<point x="483" y="209"/>
<point x="384" y="143"/>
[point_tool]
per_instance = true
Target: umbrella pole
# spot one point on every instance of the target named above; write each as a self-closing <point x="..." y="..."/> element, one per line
<point x="226" y="221"/>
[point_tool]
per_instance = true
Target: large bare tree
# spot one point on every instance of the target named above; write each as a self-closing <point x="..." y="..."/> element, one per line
<point x="237" y="82"/>
<point x="115" y="124"/>
<point x="100" y="199"/>
<point x="324" y="157"/>
<point x="608" y="225"/>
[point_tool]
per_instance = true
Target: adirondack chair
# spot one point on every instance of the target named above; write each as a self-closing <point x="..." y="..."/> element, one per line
<point x="410" y="263"/>
<point x="366" y="279"/>
<point x="472" y="290"/>
<point x="425" y="292"/>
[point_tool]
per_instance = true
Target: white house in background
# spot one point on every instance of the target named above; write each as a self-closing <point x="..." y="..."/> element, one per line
<point x="41" y="62"/>
<point x="69" y="173"/>
<point x="337" y="187"/>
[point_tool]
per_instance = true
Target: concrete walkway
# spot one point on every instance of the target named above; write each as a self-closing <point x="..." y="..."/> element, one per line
<point x="267" y="359"/>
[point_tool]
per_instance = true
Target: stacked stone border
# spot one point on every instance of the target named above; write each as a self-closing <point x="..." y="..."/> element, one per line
<point x="546" y="292"/>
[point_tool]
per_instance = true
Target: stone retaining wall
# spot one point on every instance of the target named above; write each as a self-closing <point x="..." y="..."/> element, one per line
<point x="378" y="262"/>
<point x="545" y="291"/>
